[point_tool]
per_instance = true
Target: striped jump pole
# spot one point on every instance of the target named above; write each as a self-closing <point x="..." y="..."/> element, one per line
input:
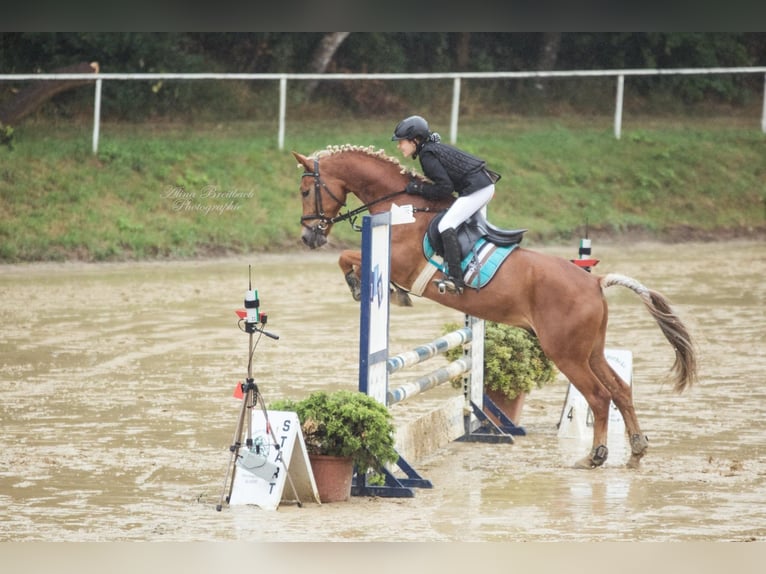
<point x="429" y="381"/>
<point x="422" y="353"/>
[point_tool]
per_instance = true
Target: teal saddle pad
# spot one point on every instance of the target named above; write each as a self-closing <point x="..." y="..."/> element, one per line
<point x="479" y="265"/>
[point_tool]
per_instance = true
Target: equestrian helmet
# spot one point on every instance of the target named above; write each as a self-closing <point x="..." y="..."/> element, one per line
<point x="411" y="128"/>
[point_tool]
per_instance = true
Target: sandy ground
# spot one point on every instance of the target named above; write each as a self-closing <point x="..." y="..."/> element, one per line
<point x="117" y="410"/>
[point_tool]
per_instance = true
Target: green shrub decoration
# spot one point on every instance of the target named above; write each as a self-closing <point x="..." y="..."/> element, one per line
<point x="514" y="362"/>
<point x="345" y="423"/>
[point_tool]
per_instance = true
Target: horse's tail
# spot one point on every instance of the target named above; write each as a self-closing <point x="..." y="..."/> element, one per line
<point x="685" y="365"/>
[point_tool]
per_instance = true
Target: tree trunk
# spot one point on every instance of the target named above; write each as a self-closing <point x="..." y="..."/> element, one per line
<point x="323" y="56"/>
<point x="463" y="51"/>
<point x="548" y="55"/>
<point x="40" y="91"/>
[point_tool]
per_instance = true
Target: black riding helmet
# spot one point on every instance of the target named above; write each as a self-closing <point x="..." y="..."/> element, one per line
<point x="411" y="128"/>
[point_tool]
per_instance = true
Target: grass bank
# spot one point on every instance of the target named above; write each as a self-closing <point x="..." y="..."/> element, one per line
<point x="177" y="191"/>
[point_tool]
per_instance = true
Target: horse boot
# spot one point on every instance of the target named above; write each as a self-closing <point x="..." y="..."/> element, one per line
<point x="453" y="279"/>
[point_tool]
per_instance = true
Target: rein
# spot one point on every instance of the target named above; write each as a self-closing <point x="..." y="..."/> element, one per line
<point x="350" y="216"/>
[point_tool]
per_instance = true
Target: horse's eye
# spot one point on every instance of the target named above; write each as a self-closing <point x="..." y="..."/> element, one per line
<point x="304" y="193"/>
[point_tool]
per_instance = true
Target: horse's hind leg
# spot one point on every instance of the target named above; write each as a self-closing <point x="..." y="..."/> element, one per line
<point x="569" y="346"/>
<point x="622" y="396"/>
<point x="598" y="398"/>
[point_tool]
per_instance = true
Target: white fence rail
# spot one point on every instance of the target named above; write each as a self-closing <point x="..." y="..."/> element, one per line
<point x="456" y="77"/>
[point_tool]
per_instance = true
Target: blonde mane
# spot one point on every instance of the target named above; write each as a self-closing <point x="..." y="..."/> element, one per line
<point x="331" y="150"/>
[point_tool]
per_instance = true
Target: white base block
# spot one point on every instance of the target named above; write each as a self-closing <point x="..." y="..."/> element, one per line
<point x="420" y="432"/>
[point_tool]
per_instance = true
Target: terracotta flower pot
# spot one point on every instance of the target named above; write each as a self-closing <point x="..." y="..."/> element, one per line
<point x="333" y="476"/>
<point x="510" y="407"/>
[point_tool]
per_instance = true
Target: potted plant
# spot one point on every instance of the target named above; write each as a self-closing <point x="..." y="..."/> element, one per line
<point x="343" y="430"/>
<point x="514" y="364"/>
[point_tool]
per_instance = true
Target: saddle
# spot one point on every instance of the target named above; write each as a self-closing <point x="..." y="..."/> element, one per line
<point x="483" y="248"/>
<point x="471" y="231"/>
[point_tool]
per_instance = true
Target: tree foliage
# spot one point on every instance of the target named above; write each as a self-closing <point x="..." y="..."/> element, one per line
<point x="262" y="52"/>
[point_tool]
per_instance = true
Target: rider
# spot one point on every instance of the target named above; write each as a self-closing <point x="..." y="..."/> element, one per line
<point x="451" y="170"/>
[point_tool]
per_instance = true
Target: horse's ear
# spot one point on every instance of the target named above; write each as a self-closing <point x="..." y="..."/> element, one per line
<point x="303" y="160"/>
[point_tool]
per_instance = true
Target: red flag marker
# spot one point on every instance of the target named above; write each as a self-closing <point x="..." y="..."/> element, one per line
<point x="238" y="393"/>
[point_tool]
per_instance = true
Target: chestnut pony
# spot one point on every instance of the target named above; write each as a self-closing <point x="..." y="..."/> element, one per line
<point x="561" y="303"/>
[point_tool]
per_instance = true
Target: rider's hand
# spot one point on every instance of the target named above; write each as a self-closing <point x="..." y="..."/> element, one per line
<point x="414" y="188"/>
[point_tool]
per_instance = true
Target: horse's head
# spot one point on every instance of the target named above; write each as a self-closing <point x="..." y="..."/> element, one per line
<point x="323" y="196"/>
<point x="331" y="175"/>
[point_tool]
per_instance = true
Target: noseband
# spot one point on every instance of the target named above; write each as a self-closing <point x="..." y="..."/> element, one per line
<point x="323" y="221"/>
<point x="319" y="214"/>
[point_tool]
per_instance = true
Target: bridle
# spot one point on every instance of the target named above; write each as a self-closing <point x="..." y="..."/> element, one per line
<point x="323" y="221"/>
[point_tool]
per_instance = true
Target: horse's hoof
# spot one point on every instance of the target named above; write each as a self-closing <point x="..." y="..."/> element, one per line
<point x="596" y="458"/>
<point x="354" y="285"/>
<point x="634" y="462"/>
<point x="638" y="445"/>
<point x="584" y="464"/>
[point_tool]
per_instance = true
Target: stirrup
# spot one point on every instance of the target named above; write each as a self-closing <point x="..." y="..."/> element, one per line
<point x="448" y="284"/>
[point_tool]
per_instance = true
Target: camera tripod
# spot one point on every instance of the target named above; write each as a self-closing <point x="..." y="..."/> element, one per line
<point x="251" y="450"/>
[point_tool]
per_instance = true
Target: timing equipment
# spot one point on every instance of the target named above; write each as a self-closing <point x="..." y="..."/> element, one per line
<point x="251" y="454"/>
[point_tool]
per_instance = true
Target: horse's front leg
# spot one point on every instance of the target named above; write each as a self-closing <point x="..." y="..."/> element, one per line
<point x="399" y="296"/>
<point x="351" y="264"/>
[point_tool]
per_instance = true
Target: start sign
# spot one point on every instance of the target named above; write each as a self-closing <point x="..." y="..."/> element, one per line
<point x="261" y="471"/>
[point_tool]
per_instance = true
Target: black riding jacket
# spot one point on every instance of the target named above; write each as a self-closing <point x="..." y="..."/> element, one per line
<point x="451" y="170"/>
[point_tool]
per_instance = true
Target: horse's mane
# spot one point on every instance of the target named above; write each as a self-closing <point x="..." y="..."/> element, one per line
<point x="332" y="150"/>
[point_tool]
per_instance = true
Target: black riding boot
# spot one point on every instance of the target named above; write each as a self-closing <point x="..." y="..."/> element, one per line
<point x="453" y="282"/>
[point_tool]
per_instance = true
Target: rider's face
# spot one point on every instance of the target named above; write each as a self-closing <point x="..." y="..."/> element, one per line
<point x="407" y="147"/>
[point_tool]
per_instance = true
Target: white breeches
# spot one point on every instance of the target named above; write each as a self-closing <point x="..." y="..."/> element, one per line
<point x="465" y="206"/>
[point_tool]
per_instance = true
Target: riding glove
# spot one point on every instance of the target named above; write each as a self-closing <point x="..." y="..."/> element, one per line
<point x="414" y="187"/>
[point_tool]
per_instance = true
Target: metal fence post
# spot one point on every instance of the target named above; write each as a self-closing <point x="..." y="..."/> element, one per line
<point x="282" y="107"/>
<point x="455" y="111"/>
<point x="618" y="106"/>
<point x="96" y="116"/>
<point x="763" y="114"/>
